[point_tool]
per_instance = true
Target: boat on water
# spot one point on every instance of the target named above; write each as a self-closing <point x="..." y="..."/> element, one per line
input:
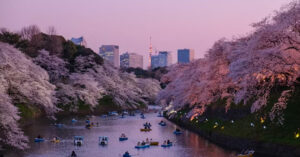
<point x="142" y="146"/>
<point x="74" y="120"/>
<point x="125" y="112"/>
<point x="154" y="143"/>
<point x="55" y="140"/>
<point x="162" y="123"/>
<point x="247" y="153"/>
<point x="123" y="137"/>
<point x="113" y="113"/>
<point x="37" y="140"/>
<point x="177" y="132"/>
<point x="103" y="140"/>
<point x="167" y="145"/>
<point x="126" y="154"/>
<point x="78" y="140"/>
<point x="146" y="130"/>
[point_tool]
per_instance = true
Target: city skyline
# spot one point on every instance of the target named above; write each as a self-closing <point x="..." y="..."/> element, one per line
<point x="130" y="23"/>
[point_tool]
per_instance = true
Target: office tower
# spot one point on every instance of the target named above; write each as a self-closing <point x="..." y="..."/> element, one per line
<point x="163" y="59"/>
<point x="185" y="55"/>
<point x="131" y="60"/>
<point x="110" y="53"/>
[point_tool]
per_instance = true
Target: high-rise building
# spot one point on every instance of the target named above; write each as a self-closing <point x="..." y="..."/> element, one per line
<point x="155" y="61"/>
<point x="79" y="41"/>
<point x="185" y="55"/>
<point x="110" y="53"/>
<point x="163" y="59"/>
<point x="131" y="60"/>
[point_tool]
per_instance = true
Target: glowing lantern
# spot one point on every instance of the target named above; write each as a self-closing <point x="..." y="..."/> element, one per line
<point x="251" y="124"/>
<point x="222" y="128"/>
<point x="232" y="121"/>
<point x="262" y="120"/>
<point x="264" y="127"/>
<point x="216" y="124"/>
<point x="297" y="135"/>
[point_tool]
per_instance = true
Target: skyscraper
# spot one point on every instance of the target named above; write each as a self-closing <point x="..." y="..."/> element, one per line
<point x="131" y="60"/>
<point x="110" y="53"/>
<point x="185" y="55"/>
<point x="163" y="59"/>
<point x="155" y="61"/>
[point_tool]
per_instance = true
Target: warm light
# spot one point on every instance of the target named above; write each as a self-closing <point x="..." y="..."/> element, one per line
<point x="297" y="135"/>
<point x="216" y="124"/>
<point x="172" y="111"/>
<point x="222" y="128"/>
<point x="262" y="120"/>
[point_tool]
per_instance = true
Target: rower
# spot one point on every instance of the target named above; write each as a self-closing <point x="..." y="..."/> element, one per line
<point x="73" y="154"/>
<point x="126" y="154"/>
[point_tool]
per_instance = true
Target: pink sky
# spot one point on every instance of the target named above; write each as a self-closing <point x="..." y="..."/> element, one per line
<point x="173" y="24"/>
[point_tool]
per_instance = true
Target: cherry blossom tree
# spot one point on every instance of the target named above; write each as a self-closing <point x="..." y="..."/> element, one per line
<point x="21" y="81"/>
<point x="241" y="69"/>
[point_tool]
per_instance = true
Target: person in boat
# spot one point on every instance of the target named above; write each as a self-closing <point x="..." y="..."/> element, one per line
<point x="73" y="154"/>
<point x="177" y="130"/>
<point x="139" y="143"/>
<point x="39" y="137"/>
<point x="55" y="139"/>
<point x="165" y="143"/>
<point x="126" y="154"/>
<point x="92" y="124"/>
<point x="123" y="135"/>
<point x="143" y="143"/>
<point x="161" y="121"/>
<point x="168" y="142"/>
<point x="147" y="140"/>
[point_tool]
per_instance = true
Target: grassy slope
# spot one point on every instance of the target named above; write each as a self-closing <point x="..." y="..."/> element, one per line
<point x="241" y="128"/>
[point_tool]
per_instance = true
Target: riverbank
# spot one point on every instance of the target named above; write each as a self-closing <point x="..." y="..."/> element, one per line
<point x="236" y="143"/>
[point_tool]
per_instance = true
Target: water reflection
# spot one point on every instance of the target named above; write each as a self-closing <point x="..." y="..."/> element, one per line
<point x="186" y="145"/>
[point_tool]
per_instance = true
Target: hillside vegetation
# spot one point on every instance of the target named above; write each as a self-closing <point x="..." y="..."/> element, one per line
<point x="43" y="74"/>
<point x="253" y="79"/>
